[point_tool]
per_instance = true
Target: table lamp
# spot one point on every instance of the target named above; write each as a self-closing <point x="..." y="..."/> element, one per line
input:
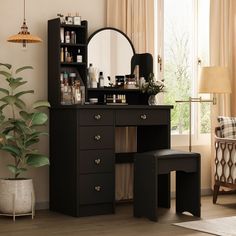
<point x="214" y="79"/>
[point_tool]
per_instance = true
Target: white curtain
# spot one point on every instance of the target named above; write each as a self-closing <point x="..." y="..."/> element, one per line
<point x="222" y="53"/>
<point x="136" y="19"/>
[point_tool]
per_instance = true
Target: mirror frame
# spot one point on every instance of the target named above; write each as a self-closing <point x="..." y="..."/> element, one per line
<point x="112" y="28"/>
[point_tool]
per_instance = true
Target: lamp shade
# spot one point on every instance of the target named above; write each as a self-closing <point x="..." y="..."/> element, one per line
<point x="214" y="79"/>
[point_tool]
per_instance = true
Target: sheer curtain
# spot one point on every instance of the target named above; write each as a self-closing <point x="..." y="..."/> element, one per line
<point x="222" y="53"/>
<point x="136" y="19"/>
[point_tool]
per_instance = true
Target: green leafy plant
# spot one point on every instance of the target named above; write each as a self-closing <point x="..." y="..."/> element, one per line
<point x="20" y="130"/>
<point x="152" y="86"/>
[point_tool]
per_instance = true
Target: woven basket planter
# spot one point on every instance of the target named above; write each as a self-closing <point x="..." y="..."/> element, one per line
<point x="16" y="196"/>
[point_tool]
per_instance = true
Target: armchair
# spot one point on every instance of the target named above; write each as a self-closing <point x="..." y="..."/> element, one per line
<point x="225" y="163"/>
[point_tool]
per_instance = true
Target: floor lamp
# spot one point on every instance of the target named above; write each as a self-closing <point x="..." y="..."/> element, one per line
<point x="213" y="80"/>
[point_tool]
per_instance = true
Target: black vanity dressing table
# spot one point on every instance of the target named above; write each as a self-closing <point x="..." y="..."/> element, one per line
<point x="82" y="137"/>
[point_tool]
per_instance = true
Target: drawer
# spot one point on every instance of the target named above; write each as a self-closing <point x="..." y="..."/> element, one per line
<point x="96" y="137"/>
<point x="96" y="188"/>
<point x="96" y="117"/>
<point x="94" y="161"/>
<point x="142" y="117"/>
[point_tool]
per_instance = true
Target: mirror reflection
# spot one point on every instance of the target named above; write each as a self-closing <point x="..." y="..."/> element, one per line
<point x="110" y="52"/>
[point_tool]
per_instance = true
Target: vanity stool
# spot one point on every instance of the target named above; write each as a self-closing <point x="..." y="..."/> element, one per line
<point x="152" y="182"/>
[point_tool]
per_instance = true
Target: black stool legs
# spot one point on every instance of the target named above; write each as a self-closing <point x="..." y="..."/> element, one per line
<point x="152" y="182"/>
<point x="188" y="192"/>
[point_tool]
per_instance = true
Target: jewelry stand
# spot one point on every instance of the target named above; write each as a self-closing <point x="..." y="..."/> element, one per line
<point x="14" y="214"/>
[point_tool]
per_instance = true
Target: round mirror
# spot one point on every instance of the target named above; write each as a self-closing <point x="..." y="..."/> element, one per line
<point x="110" y="51"/>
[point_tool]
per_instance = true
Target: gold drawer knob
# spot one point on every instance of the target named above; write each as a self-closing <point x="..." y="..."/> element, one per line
<point x="143" y="116"/>
<point x="97" y="161"/>
<point x="97" y="117"/>
<point x="98" y="188"/>
<point x="97" y="137"/>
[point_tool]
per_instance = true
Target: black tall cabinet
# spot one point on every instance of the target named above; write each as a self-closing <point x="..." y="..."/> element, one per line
<point x="55" y="66"/>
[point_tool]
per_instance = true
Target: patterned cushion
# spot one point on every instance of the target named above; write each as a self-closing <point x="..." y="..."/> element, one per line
<point x="227" y="126"/>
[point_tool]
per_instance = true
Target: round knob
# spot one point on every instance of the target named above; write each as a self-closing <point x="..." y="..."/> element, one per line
<point x="98" y="188"/>
<point x="143" y="117"/>
<point x="97" y="117"/>
<point x="97" y="137"/>
<point x="97" y="161"/>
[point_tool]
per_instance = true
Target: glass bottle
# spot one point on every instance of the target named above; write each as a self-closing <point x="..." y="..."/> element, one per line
<point x="67" y="37"/>
<point x="62" y="55"/>
<point x="79" y="57"/>
<point x="73" y="37"/>
<point x="101" y="80"/>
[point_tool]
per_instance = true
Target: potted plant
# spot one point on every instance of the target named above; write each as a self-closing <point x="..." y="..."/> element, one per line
<point x="19" y="132"/>
<point x="152" y="87"/>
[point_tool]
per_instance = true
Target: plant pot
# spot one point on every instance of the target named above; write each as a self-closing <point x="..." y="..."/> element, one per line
<point x="16" y="196"/>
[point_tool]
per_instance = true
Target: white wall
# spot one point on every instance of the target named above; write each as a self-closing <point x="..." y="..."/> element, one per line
<point x="37" y="15"/>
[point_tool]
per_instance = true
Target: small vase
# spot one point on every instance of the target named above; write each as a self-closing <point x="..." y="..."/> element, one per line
<point x="152" y="100"/>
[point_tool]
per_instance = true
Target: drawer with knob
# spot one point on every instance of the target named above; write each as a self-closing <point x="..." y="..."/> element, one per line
<point x="96" y="137"/>
<point x="142" y="117"/>
<point x="96" y="161"/>
<point x="96" y="188"/>
<point x="96" y="117"/>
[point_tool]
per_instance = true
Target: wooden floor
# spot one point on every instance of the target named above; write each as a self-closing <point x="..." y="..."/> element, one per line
<point x="120" y="224"/>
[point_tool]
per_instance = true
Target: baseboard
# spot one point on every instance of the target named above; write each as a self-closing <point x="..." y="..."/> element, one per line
<point x="45" y="205"/>
<point x="42" y="205"/>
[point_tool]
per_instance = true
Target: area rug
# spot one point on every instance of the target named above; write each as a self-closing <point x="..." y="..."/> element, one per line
<point x="225" y="226"/>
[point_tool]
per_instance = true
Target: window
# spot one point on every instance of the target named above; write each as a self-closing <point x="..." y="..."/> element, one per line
<point x="181" y="44"/>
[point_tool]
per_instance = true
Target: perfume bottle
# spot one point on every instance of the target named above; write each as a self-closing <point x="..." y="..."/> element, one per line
<point x="101" y="80"/>
<point x="77" y="19"/>
<point x="79" y="57"/>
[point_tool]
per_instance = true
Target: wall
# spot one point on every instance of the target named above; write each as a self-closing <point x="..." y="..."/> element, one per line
<point x="37" y="15"/>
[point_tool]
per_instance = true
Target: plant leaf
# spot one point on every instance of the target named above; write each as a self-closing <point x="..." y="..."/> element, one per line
<point x="4" y="91"/>
<point x="16" y="171"/>
<point x="5" y="73"/>
<point x="31" y="142"/>
<point x="6" y="65"/>
<point x="26" y="116"/>
<point x="15" y="84"/>
<point x="23" y="68"/>
<point x="37" y="160"/>
<point x="41" y="103"/>
<point x="20" y="104"/>
<point x="3" y="106"/>
<point x="11" y="149"/>
<point x="39" y="118"/>
<point x="9" y="100"/>
<point x="23" y="92"/>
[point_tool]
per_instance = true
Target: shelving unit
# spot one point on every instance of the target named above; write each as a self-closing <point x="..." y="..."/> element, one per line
<point x="55" y="66"/>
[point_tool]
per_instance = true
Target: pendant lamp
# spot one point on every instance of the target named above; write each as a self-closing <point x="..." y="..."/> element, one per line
<point x="24" y="35"/>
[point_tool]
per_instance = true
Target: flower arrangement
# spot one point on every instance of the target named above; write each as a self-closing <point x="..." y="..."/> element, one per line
<point x="152" y="86"/>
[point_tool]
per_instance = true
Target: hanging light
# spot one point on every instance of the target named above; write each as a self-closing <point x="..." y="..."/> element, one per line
<point x="24" y="35"/>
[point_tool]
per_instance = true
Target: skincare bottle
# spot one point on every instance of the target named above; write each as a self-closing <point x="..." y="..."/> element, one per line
<point x="73" y="37"/>
<point x="62" y="34"/>
<point x="79" y="57"/>
<point x="62" y="55"/>
<point x="77" y="19"/>
<point x="67" y="37"/>
<point x="101" y="80"/>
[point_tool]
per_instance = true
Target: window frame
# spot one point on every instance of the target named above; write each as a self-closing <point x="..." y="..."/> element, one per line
<point x="197" y="137"/>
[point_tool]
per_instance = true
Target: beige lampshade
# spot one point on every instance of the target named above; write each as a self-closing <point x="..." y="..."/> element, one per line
<point x="214" y="79"/>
